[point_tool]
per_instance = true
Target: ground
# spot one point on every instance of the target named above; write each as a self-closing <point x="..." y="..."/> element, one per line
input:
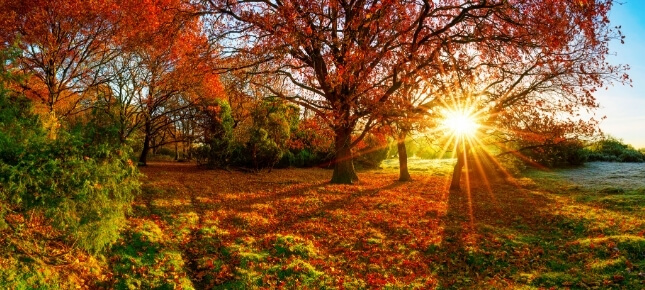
<point x="580" y="228"/>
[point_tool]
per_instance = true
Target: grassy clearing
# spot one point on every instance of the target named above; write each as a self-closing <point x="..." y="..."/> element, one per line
<point x="604" y="206"/>
<point x="290" y="228"/>
<point x="201" y="229"/>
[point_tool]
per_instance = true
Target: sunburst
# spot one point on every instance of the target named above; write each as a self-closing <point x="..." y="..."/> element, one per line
<point x="460" y="123"/>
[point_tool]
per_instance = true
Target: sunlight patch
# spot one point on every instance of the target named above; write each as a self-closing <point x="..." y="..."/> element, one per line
<point x="163" y="202"/>
<point x="602" y="264"/>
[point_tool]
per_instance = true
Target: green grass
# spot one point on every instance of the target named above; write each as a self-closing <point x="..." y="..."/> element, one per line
<point x="602" y="227"/>
<point x="145" y="258"/>
<point x="215" y="229"/>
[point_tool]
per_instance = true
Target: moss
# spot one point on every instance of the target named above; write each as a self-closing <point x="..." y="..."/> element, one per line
<point x="289" y="245"/>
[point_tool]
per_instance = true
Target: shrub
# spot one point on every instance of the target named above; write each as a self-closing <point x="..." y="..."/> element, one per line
<point x="263" y="152"/>
<point x="267" y="146"/>
<point x="277" y="118"/>
<point x="568" y="152"/>
<point x="613" y="150"/>
<point x="166" y="152"/>
<point x="631" y="156"/>
<point x="217" y="146"/>
<point x="77" y="190"/>
<point x="305" y="158"/>
<point x="288" y="159"/>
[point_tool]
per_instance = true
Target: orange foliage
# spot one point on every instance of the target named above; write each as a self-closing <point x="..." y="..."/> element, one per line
<point x="347" y="60"/>
<point x="63" y="43"/>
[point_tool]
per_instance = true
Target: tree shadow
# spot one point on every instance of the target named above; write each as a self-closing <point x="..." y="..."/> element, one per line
<point x="495" y="233"/>
<point x="233" y="206"/>
<point x="499" y="234"/>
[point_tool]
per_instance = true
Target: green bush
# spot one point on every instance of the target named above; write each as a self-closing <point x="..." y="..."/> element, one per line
<point x="259" y="152"/>
<point x="597" y="156"/>
<point x="81" y="188"/>
<point x="288" y="159"/>
<point x="306" y="158"/>
<point x="613" y="150"/>
<point x="263" y="152"/>
<point x="165" y="151"/>
<point x="267" y="147"/>
<point x="217" y="146"/>
<point x="303" y="158"/>
<point x="631" y="156"/>
<point x="568" y="152"/>
<point x="277" y="118"/>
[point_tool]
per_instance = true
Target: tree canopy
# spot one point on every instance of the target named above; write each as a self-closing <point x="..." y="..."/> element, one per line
<point x="345" y="60"/>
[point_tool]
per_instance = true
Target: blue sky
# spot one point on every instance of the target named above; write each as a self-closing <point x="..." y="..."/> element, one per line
<point x="624" y="106"/>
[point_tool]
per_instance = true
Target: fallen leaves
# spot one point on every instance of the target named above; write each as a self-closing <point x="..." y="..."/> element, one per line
<point x="290" y="228"/>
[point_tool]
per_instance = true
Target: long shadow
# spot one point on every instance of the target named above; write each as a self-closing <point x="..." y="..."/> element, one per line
<point x="496" y="231"/>
<point x="190" y="256"/>
<point x="336" y="204"/>
<point x="275" y="194"/>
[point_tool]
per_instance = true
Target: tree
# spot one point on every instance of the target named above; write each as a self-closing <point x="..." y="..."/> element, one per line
<point x="58" y="194"/>
<point x="216" y="129"/>
<point x="64" y="45"/>
<point x="346" y="59"/>
<point x="411" y="110"/>
<point x="165" y="69"/>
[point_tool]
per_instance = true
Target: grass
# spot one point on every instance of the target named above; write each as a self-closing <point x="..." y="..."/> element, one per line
<point x="290" y="228"/>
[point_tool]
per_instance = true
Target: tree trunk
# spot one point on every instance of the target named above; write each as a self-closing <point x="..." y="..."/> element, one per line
<point x="344" y="172"/>
<point x="184" y="151"/>
<point x="456" y="173"/>
<point x="154" y="145"/>
<point x="176" y="150"/>
<point x="146" y="146"/>
<point x="404" y="174"/>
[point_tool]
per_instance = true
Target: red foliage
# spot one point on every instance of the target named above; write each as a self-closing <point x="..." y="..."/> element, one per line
<point x="349" y="59"/>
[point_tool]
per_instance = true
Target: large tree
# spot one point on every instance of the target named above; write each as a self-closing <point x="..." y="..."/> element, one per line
<point x="345" y="59"/>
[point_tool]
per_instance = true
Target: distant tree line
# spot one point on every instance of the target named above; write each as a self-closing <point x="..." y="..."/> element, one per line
<point x="576" y="152"/>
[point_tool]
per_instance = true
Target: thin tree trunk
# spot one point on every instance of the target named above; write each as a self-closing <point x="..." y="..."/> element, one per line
<point x="456" y="173"/>
<point x="146" y="146"/>
<point x="344" y="172"/>
<point x="154" y="145"/>
<point x="404" y="174"/>
<point x="176" y="151"/>
<point x="184" y="151"/>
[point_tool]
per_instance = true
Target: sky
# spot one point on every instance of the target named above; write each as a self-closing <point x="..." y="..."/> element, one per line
<point x="624" y="106"/>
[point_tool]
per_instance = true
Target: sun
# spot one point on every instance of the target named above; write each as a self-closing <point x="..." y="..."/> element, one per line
<point x="460" y="123"/>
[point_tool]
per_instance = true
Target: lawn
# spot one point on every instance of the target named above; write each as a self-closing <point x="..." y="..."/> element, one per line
<point x="291" y="228"/>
